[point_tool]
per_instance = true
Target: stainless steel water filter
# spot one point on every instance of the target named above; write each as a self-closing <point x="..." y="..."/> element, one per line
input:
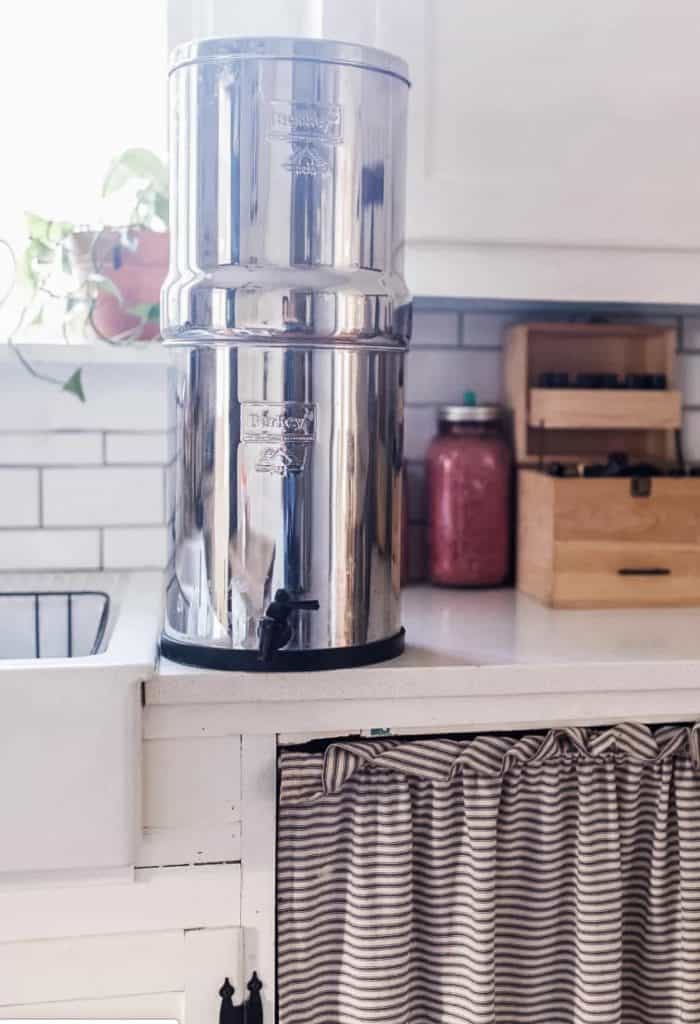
<point x="287" y="308"/>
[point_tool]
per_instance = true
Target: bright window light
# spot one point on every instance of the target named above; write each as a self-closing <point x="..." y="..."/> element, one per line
<point x="80" y="81"/>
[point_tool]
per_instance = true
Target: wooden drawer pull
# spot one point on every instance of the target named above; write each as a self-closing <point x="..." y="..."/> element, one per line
<point x="644" y="572"/>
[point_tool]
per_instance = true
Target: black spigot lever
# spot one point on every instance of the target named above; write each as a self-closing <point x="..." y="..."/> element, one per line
<point x="275" y="631"/>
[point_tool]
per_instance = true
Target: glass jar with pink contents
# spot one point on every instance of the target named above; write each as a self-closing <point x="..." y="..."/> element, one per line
<point x="469" y="497"/>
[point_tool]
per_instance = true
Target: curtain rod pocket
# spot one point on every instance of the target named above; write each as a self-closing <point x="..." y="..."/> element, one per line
<point x="311" y="776"/>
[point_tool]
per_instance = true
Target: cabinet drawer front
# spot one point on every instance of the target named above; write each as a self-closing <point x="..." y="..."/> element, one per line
<point x="600" y="574"/>
<point x="589" y="509"/>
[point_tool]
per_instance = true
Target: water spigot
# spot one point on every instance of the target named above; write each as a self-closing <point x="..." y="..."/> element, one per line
<point x="275" y="631"/>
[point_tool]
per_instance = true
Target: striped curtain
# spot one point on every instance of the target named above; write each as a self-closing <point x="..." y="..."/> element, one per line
<point x="552" y="879"/>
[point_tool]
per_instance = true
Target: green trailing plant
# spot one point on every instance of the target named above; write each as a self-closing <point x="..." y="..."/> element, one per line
<point x="146" y="174"/>
<point x="48" y="270"/>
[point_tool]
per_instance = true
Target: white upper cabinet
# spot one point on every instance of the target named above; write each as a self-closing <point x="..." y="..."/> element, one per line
<point x="553" y="151"/>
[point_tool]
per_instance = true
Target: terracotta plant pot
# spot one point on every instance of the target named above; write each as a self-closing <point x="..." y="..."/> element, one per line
<point x="137" y="270"/>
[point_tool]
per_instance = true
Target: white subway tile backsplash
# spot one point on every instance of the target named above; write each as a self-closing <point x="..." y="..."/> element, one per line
<point x="117" y="398"/>
<point x="485" y="329"/>
<point x="689" y="367"/>
<point x="444" y="376"/>
<point x="691" y="332"/>
<point x="49" y="549"/>
<point x="19" y="497"/>
<point x="419" y="429"/>
<point x="136" y="547"/>
<point x="62" y="448"/>
<point x="691" y="436"/>
<point x="103" y="496"/>
<point x="153" y="449"/>
<point x="435" y="328"/>
<point x="116" y="514"/>
<point x="170" y="483"/>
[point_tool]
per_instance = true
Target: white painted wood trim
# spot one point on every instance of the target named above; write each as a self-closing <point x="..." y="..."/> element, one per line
<point x="619" y="698"/>
<point x="163" y="847"/>
<point x="92" y="967"/>
<point x="482" y="270"/>
<point x="259" y="786"/>
<point x="161" y="1006"/>
<point x="210" y="957"/>
<point x="191" y="782"/>
<point x="158" y="900"/>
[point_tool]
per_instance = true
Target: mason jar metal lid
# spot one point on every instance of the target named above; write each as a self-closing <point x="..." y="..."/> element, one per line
<point x="469" y="413"/>
<point x="328" y="51"/>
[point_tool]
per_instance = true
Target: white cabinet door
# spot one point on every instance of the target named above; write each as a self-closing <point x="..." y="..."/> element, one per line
<point x="158" y="947"/>
<point x="170" y="974"/>
<point x="210" y="792"/>
<point x="552" y="149"/>
<point x="162" y="1006"/>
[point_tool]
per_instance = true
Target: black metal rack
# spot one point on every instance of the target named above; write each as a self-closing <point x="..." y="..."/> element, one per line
<point x="38" y="606"/>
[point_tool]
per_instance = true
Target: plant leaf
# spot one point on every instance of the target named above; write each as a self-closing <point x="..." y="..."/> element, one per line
<point x="47" y="232"/>
<point x="129" y="238"/>
<point x="161" y="207"/>
<point x="59" y="229"/>
<point x="135" y="163"/>
<point x="37" y="227"/>
<point x="147" y="312"/>
<point x="74" y="384"/>
<point x="27" y="268"/>
<point x="74" y="300"/>
<point x="106" y="284"/>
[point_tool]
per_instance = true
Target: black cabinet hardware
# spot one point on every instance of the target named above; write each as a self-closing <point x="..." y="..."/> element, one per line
<point x="644" y="572"/>
<point x="248" y="1012"/>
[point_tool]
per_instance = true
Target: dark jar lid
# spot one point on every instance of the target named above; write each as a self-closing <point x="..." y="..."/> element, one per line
<point x="470" y="413"/>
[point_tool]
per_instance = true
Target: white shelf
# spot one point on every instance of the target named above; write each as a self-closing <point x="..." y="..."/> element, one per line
<point x="474" y="660"/>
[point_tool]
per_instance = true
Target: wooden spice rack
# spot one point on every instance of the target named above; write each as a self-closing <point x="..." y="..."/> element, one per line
<point x="575" y="424"/>
<point x="594" y="409"/>
<point x="591" y="542"/>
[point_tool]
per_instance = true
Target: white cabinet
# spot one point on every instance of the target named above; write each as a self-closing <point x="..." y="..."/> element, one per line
<point x="157" y="947"/>
<point x="161" y="943"/>
<point x="553" y="152"/>
<point x="209" y="795"/>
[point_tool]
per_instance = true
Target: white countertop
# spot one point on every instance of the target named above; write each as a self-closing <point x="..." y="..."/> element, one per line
<point x="474" y="659"/>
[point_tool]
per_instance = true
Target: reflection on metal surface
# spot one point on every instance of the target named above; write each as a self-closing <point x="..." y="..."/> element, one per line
<point x="314" y="516"/>
<point x="287" y="305"/>
<point x="288" y="194"/>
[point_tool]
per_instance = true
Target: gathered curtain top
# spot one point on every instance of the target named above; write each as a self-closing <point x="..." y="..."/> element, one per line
<point x="306" y="776"/>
